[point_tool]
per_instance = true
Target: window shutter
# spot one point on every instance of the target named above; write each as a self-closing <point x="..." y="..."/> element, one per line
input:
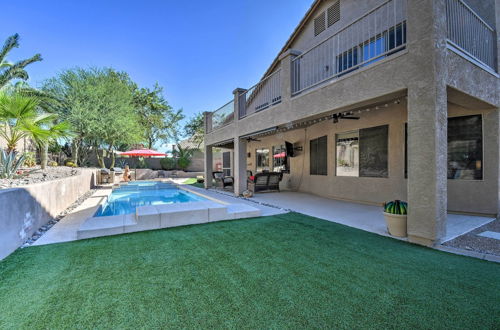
<point x="333" y="13"/>
<point x="319" y="24"/>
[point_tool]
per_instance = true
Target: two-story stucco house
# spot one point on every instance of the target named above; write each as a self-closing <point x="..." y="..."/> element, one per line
<point x="377" y="100"/>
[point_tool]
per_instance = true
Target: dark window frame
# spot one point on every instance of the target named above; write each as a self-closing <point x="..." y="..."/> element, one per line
<point x="478" y="154"/>
<point x="360" y="143"/>
<point x="318" y="159"/>
<point x="448" y="160"/>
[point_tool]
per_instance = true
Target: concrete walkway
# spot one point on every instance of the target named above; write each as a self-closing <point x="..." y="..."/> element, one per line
<point x="65" y="230"/>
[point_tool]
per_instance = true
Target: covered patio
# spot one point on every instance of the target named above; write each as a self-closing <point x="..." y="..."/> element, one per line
<point x="361" y="216"/>
<point x="357" y="215"/>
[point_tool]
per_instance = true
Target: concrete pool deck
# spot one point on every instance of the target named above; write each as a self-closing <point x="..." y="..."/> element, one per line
<point x="66" y="229"/>
<point x="361" y="216"/>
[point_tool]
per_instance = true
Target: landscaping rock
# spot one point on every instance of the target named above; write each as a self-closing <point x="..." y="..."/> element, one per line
<point x="43" y="229"/>
<point x="36" y="174"/>
<point x="472" y="242"/>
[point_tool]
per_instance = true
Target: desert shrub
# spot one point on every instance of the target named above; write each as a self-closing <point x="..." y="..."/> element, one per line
<point x="70" y="164"/>
<point x="55" y="147"/>
<point x="10" y="164"/>
<point x="52" y="163"/>
<point x="29" y="159"/>
<point x="121" y="162"/>
<point x="183" y="163"/>
<point x="167" y="164"/>
<point x="141" y="163"/>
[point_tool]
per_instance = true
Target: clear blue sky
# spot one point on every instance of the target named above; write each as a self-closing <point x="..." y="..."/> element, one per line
<point x="199" y="51"/>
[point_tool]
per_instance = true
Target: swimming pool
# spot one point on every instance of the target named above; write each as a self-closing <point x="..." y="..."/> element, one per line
<point x="127" y="198"/>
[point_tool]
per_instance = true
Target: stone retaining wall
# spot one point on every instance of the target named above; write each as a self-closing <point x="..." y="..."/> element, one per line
<point x="25" y="209"/>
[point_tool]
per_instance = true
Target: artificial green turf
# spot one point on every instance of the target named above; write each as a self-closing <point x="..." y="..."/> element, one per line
<point x="194" y="182"/>
<point x="282" y="271"/>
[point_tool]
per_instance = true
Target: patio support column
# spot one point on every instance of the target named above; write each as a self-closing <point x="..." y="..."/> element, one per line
<point x="427" y="123"/>
<point x="240" y="166"/>
<point x="208" y="166"/>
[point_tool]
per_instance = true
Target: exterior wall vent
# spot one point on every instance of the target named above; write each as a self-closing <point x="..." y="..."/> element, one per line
<point x="319" y="24"/>
<point x="333" y="13"/>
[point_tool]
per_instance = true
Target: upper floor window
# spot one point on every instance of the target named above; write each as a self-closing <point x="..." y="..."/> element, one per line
<point x="373" y="49"/>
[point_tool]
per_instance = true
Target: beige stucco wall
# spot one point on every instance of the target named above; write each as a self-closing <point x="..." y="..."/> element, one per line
<point x="475" y="196"/>
<point x="23" y="210"/>
<point x="480" y="196"/>
<point x="424" y="72"/>
<point x="370" y="190"/>
<point x="350" y="10"/>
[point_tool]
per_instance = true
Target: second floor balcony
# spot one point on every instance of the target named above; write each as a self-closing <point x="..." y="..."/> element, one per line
<point x="378" y="34"/>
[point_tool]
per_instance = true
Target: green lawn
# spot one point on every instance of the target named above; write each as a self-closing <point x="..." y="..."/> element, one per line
<point x="193" y="182"/>
<point x="271" y="272"/>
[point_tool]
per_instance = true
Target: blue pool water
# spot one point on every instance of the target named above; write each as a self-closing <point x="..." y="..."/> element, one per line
<point x="125" y="199"/>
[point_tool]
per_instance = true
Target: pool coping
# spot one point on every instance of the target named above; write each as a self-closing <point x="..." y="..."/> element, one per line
<point x="151" y="217"/>
<point x="176" y="185"/>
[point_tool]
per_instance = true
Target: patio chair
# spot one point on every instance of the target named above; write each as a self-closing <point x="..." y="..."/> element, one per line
<point x="221" y="180"/>
<point x="265" y="181"/>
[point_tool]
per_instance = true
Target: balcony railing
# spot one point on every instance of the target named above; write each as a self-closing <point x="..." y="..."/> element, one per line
<point x="223" y="116"/>
<point x="261" y="96"/>
<point x="470" y="33"/>
<point x="377" y="34"/>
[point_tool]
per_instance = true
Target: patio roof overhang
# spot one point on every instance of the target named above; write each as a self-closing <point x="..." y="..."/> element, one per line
<point x="229" y="144"/>
<point x="263" y="132"/>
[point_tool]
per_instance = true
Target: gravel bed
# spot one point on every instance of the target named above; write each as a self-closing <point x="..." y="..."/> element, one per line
<point x="42" y="230"/>
<point x="36" y="175"/>
<point x="472" y="242"/>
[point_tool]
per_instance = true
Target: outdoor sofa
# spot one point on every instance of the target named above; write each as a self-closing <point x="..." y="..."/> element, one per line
<point x="265" y="181"/>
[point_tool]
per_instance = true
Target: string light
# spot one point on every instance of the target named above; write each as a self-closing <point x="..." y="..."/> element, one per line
<point x="291" y="126"/>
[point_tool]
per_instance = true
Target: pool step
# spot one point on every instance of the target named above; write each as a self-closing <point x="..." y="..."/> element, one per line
<point x="165" y="216"/>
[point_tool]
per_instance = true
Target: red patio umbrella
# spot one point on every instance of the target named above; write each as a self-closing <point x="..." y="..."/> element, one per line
<point x="280" y="155"/>
<point x="141" y="153"/>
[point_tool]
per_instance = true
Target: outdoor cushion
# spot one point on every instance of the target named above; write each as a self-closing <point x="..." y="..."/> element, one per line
<point x="265" y="181"/>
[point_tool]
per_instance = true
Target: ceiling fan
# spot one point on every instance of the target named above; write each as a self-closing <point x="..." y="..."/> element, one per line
<point x="338" y="116"/>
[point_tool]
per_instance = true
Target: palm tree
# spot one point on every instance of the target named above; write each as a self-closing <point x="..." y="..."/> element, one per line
<point x="11" y="71"/>
<point x="183" y="156"/>
<point x="47" y="103"/>
<point x="20" y="118"/>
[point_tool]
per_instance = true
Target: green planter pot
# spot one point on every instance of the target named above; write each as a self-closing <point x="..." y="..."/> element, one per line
<point x="396" y="224"/>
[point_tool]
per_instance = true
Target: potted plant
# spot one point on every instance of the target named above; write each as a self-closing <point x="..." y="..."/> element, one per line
<point x="395" y="217"/>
